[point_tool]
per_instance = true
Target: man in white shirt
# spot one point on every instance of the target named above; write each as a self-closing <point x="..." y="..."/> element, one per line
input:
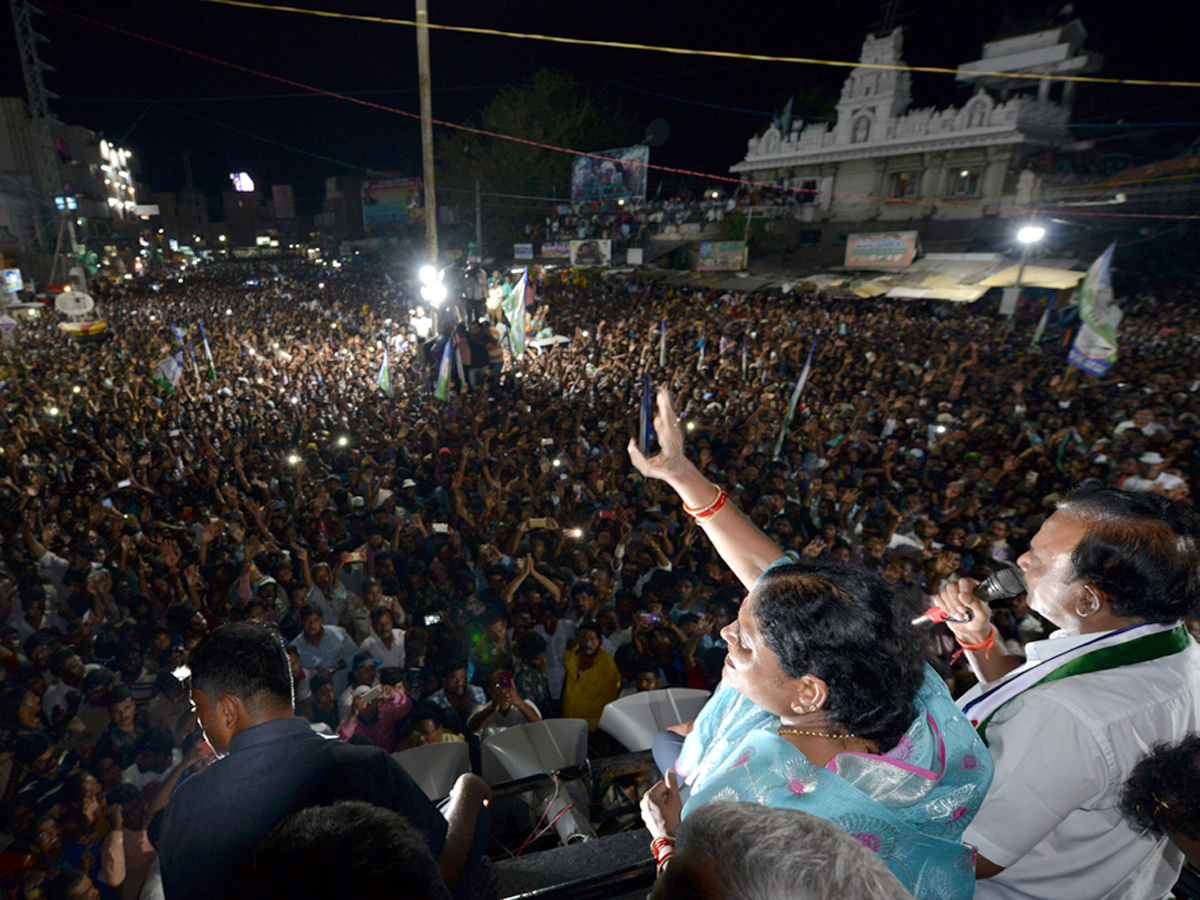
<point x="1116" y="572"/>
<point x="1151" y="477"/>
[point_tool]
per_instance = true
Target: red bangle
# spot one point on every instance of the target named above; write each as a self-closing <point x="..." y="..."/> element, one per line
<point x="712" y="510"/>
<point x="663" y="849"/>
<point x="698" y="511"/>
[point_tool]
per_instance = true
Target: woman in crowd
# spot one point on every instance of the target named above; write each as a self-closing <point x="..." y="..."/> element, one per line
<point x="826" y="705"/>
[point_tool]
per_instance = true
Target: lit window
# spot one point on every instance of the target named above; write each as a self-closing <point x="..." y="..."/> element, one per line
<point x="965" y="182"/>
<point x="903" y="185"/>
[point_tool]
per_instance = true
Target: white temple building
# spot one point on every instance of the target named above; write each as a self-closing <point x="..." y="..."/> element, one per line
<point x="961" y="163"/>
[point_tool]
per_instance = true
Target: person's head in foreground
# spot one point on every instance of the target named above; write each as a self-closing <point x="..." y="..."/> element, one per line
<point x="1109" y="558"/>
<point x="827" y="647"/>
<point x="743" y="851"/>
<point x="347" y="850"/>
<point x="240" y="677"/>
<point x="1162" y="794"/>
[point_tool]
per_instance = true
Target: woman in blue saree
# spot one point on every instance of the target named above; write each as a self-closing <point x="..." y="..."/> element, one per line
<point x="826" y="704"/>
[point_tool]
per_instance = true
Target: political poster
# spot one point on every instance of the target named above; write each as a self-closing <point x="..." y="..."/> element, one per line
<point x="556" y="250"/>
<point x="611" y="174"/>
<point x="1095" y="347"/>
<point x="592" y="252"/>
<point x="12" y="282"/>
<point x="522" y="251"/>
<point x="882" y="250"/>
<point x="284" y="201"/>
<point x="721" y="256"/>
<point x="391" y="204"/>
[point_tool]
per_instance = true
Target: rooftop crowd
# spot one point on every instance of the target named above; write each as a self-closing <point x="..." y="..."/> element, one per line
<point x="442" y="570"/>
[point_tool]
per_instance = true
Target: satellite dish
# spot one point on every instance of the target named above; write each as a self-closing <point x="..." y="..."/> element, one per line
<point x="657" y="133"/>
<point x="75" y="304"/>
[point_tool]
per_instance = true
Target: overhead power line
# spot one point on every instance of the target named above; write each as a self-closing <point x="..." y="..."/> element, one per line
<point x="684" y="51"/>
<point x="725" y="179"/>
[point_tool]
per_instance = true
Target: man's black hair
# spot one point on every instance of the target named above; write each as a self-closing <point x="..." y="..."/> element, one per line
<point x="157" y="741"/>
<point x="246" y="660"/>
<point x="1141" y="548"/>
<point x="428" y="710"/>
<point x="30" y="743"/>
<point x="380" y="857"/>
<point x="1163" y="790"/>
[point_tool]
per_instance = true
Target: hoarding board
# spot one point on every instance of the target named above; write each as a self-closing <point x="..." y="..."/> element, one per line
<point x="721" y="256"/>
<point x="882" y="250"/>
<point x="556" y="250"/>
<point x="522" y="251"/>
<point x="391" y="204"/>
<point x="611" y="174"/>
<point x="591" y="252"/>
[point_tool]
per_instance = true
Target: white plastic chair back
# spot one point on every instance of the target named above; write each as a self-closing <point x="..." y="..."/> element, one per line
<point x="533" y="749"/>
<point x="636" y="720"/>
<point x="435" y="767"/>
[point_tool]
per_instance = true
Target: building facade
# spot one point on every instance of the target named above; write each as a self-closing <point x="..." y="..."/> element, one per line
<point x="882" y="162"/>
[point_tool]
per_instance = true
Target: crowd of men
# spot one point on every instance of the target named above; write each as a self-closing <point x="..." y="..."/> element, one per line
<point x="445" y="569"/>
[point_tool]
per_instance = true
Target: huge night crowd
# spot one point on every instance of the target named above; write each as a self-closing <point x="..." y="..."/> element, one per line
<point x="444" y="569"/>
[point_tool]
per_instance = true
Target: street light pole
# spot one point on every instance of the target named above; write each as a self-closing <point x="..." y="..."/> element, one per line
<point x="431" y="237"/>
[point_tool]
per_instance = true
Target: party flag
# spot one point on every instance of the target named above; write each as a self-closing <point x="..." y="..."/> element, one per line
<point x="442" y="391"/>
<point x="791" y="410"/>
<point x="1095" y="347"/>
<point x="167" y="372"/>
<point x="212" y="369"/>
<point x="384" y="380"/>
<point x="514" y="309"/>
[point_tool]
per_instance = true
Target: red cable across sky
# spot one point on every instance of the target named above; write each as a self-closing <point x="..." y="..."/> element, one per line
<point x="728" y="179"/>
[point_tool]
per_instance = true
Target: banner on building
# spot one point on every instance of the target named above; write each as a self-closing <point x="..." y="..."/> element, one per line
<point x="721" y="256"/>
<point x="591" y="252"/>
<point x="12" y="281"/>
<point x="522" y="251"/>
<point x="284" y="197"/>
<point x="556" y="250"/>
<point x="388" y="205"/>
<point x="1095" y="348"/>
<point x="883" y="250"/>
<point x="611" y="174"/>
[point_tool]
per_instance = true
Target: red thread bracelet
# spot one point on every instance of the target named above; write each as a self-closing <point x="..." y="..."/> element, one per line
<point x="984" y="645"/>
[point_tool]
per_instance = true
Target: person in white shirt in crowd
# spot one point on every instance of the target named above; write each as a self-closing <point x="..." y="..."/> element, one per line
<point x="1152" y="477"/>
<point x="385" y="643"/>
<point x="505" y="709"/>
<point x="1116" y="572"/>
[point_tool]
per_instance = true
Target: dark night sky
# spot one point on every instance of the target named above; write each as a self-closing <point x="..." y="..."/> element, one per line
<point x="168" y="103"/>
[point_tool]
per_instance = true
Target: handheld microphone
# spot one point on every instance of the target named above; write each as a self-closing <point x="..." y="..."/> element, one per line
<point x="1003" y="584"/>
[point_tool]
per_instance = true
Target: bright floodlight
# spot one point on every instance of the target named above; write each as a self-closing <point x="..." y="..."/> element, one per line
<point x="343" y="441"/>
<point x="1031" y="234"/>
<point x="428" y="275"/>
<point x="434" y="293"/>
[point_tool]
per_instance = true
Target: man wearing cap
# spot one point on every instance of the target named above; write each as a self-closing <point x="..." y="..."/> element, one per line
<point x="364" y="673"/>
<point x="375" y="717"/>
<point x="1151" y="477"/>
